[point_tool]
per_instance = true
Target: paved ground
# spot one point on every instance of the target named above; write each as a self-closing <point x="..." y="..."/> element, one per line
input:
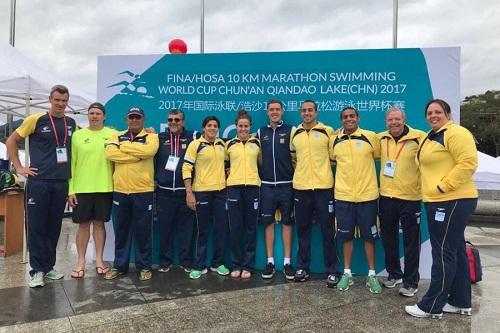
<point x="171" y="302"/>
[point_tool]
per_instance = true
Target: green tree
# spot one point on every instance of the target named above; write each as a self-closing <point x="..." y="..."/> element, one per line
<point x="481" y="115"/>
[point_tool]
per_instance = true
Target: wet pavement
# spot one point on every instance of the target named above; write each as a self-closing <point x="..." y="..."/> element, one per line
<point x="172" y="302"/>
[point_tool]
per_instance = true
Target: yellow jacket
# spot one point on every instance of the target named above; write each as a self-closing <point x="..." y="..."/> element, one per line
<point x="405" y="183"/>
<point x="447" y="160"/>
<point x="355" y="154"/>
<point x="207" y="160"/>
<point x="244" y="159"/>
<point x="134" y="166"/>
<point x="309" y="151"/>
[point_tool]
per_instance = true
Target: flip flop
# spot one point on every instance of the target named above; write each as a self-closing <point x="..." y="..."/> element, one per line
<point x="235" y="274"/>
<point x="245" y="275"/>
<point x="103" y="270"/>
<point x="78" y="274"/>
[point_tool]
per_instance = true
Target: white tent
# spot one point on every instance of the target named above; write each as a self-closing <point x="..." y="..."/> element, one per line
<point x="25" y="87"/>
<point x="487" y="175"/>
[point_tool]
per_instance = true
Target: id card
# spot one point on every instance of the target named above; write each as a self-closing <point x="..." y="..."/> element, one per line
<point x="62" y="155"/>
<point x="439" y="217"/>
<point x="172" y="163"/>
<point x="389" y="169"/>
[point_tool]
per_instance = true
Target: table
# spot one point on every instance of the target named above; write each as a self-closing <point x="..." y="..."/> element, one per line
<point x="12" y="211"/>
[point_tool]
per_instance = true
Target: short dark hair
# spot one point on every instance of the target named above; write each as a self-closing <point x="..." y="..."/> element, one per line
<point x="209" y="118"/>
<point x="97" y="105"/>
<point x="446" y="107"/>
<point x="274" y="101"/>
<point x="243" y="114"/>
<point x="310" y="101"/>
<point x="60" y="89"/>
<point x="349" y="108"/>
<point x="177" y="111"/>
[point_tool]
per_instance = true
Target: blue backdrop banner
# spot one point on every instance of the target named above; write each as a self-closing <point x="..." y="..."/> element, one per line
<point x="220" y="84"/>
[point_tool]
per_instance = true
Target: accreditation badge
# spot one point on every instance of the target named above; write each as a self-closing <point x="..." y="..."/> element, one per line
<point x="62" y="155"/>
<point x="389" y="169"/>
<point x="172" y="163"/>
<point x="439" y="216"/>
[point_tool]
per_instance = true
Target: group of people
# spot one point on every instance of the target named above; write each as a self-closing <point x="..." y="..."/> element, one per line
<point x="305" y="174"/>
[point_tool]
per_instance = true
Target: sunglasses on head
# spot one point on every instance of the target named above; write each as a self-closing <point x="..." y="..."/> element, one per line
<point x="134" y="116"/>
<point x="174" y="120"/>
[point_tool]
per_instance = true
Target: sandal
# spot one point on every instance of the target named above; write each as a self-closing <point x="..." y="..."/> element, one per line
<point x="235" y="274"/>
<point x="113" y="273"/>
<point x="145" y="274"/>
<point x="101" y="270"/>
<point x="245" y="275"/>
<point x="78" y="274"/>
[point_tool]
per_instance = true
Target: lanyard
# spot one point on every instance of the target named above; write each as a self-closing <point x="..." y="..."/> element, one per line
<point x="177" y="144"/>
<point x="55" y="130"/>
<point x="398" y="152"/>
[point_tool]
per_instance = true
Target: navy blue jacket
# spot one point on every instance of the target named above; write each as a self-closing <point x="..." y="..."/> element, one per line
<point x="276" y="165"/>
<point x="171" y="181"/>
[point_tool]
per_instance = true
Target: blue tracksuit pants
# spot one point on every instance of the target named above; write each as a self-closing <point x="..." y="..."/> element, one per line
<point x="174" y="215"/>
<point x="44" y="205"/>
<point x="133" y="220"/>
<point x="318" y="204"/>
<point x="210" y="204"/>
<point x="243" y="210"/>
<point x="450" y="279"/>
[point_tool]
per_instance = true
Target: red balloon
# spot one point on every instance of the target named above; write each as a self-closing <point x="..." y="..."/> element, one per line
<point x="177" y="46"/>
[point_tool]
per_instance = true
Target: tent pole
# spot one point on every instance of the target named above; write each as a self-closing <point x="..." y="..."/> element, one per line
<point x="26" y="162"/>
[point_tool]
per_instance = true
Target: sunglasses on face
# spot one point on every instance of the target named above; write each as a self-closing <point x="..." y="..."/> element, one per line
<point x="134" y="116"/>
<point x="174" y="120"/>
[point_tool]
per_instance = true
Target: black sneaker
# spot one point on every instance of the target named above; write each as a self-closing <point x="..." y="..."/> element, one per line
<point x="268" y="273"/>
<point x="301" y="275"/>
<point x="332" y="280"/>
<point x="289" y="272"/>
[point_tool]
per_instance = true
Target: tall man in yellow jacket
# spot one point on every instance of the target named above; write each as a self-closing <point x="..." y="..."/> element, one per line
<point x="312" y="185"/>
<point x="133" y="151"/>
<point x="356" y="192"/>
<point x="399" y="201"/>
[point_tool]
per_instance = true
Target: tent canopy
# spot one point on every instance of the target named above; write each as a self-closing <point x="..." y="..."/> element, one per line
<point x="25" y="87"/>
<point x="487" y="175"/>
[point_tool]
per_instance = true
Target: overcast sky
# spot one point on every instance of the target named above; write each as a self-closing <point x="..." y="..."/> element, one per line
<point x="66" y="37"/>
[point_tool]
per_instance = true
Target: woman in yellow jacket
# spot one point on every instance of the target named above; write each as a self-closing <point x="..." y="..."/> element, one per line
<point x="205" y="181"/>
<point x="447" y="159"/>
<point x="243" y="155"/>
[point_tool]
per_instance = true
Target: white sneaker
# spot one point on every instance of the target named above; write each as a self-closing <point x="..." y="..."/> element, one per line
<point x="54" y="275"/>
<point x="448" y="308"/>
<point x="36" y="280"/>
<point x="414" y="310"/>
<point x="391" y="283"/>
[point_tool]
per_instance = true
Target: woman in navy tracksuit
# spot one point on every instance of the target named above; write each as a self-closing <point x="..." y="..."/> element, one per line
<point x="447" y="159"/>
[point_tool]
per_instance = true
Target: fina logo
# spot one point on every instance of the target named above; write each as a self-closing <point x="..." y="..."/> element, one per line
<point x="46" y="129"/>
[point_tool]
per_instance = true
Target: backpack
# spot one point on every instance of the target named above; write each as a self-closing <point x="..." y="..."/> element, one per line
<point x="475" y="269"/>
<point x="8" y="180"/>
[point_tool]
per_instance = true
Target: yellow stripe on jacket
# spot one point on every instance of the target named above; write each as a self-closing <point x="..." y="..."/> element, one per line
<point x="244" y="159"/>
<point x="309" y="151"/>
<point x="207" y="161"/>
<point x="405" y="183"/>
<point x="447" y="160"/>
<point x="355" y="175"/>
<point x="134" y="164"/>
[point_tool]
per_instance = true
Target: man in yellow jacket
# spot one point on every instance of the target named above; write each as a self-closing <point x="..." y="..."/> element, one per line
<point x="312" y="185"/>
<point x="356" y="192"/>
<point x="133" y="151"/>
<point x="399" y="203"/>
